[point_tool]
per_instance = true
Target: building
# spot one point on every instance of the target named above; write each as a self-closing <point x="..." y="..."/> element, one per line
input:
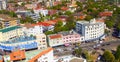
<point x="17" y="55"/>
<point x="10" y="32"/>
<point x="1" y="59"/>
<point x="44" y="55"/>
<point x="55" y="40"/>
<point x="64" y="38"/>
<point x="71" y="37"/>
<point x="32" y="29"/>
<point x="24" y="42"/>
<point x="41" y="40"/>
<point x="91" y="30"/>
<point x="3" y="4"/>
<point x="6" y="21"/>
<point x="41" y="11"/>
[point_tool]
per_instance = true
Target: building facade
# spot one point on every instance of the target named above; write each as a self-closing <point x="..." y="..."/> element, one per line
<point x="91" y="30"/>
<point x="64" y="38"/>
<point x="3" y="4"/>
<point x="55" y="40"/>
<point x="10" y="32"/>
<point x="6" y="21"/>
<point x="30" y="29"/>
<point x="41" y="40"/>
<point x="71" y="37"/>
<point x="25" y="42"/>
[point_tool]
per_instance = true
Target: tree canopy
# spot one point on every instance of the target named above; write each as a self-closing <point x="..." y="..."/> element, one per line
<point x="117" y="54"/>
<point x="108" y="57"/>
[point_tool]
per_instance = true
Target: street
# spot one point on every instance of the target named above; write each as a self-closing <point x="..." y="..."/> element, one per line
<point x="111" y="45"/>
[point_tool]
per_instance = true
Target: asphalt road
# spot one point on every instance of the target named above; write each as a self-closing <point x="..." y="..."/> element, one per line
<point x="61" y="51"/>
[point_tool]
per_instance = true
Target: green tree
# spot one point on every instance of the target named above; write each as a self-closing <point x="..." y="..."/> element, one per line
<point x="78" y="51"/>
<point x="88" y="17"/>
<point x="109" y="23"/>
<point x="70" y="24"/>
<point x="108" y="57"/>
<point x="27" y="20"/>
<point x="49" y="32"/>
<point x="118" y="26"/>
<point x="58" y="26"/>
<point x="117" y="54"/>
<point x="23" y="4"/>
<point x="68" y="13"/>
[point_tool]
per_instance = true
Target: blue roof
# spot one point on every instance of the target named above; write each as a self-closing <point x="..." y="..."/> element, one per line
<point x="19" y="39"/>
<point x="9" y="29"/>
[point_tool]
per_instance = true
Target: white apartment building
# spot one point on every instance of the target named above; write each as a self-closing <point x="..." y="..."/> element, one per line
<point x="91" y="30"/>
<point x="30" y="29"/>
<point x="41" y="11"/>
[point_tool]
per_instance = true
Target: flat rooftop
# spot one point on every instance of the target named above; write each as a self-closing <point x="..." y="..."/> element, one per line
<point x="19" y="39"/>
<point x="9" y="29"/>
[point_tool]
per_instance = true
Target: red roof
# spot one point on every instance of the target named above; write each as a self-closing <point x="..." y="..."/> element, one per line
<point x="17" y="55"/>
<point x="51" y="12"/>
<point x="105" y="13"/>
<point x="64" y="8"/>
<point x="47" y="23"/>
<point x="55" y="36"/>
<point x="43" y="23"/>
<point x="57" y="2"/>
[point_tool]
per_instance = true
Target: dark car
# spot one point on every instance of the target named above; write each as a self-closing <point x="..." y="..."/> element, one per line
<point x="108" y="44"/>
<point x="102" y="49"/>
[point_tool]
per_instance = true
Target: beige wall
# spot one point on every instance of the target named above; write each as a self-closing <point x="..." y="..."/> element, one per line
<point x="5" y="36"/>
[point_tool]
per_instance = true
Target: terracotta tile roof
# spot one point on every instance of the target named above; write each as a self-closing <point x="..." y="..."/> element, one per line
<point x="100" y="20"/>
<point x="64" y="8"/>
<point x="57" y="2"/>
<point x="40" y="54"/>
<point x="105" y="13"/>
<point x="17" y="55"/>
<point x="51" y="12"/>
<point x="55" y="36"/>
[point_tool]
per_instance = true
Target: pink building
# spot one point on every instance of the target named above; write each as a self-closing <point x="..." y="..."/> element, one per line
<point x="64" y="38"/>
<point x="71" y="37"/>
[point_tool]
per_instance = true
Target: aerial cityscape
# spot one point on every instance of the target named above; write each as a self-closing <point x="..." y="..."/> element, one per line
<point x="59" y="30"/>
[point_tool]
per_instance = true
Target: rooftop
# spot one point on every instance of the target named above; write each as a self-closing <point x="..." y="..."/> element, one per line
<point x="4" y="17"/>
<point x="64" y="33"/>
<point x="55" y="36"/>
<point x="40" y="54"/>
<point x="31" y="56"/>
<point x="91" y="22"/>
<point x="9" y="29"/>
<point x="19" y="39"/>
